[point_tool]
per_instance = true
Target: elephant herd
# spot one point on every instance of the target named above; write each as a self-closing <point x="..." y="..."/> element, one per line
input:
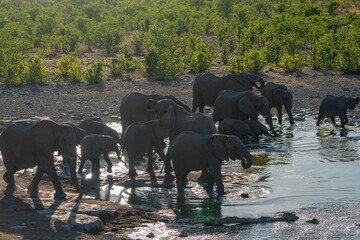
<point x="194" y="143"/>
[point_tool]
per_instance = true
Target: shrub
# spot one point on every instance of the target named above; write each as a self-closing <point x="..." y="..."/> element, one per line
<point x="123" y="64"/>
<point x="311" y="10"/>
<point x="14" y="70"/>
<point x="201" y="60"/>
<point x="138" y="43"/>
<point x="70" y="68"/>
<point x="293" y="63"/>
<point x="224" y="55"/>
<point x="109" y="37"/>
<point x="273" y="51"/>
<point x="94" y="73"/>
<point x="36" y="73"/>
<point x="162" y="65"/>
<point x="236" y="65"/>
<point x="348" y="60"/>
<point x="331" y="6"/>
<point x="254" y="61"/>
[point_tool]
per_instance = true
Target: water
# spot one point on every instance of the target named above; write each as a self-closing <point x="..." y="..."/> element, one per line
<point x="312" y="171"/>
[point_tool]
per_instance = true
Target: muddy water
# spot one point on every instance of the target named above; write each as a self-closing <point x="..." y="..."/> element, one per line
<point x="312" y="171"/>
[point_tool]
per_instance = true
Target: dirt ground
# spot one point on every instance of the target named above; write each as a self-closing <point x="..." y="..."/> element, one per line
<point x="73" y="103"/>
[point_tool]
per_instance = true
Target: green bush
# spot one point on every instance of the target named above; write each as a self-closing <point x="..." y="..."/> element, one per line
<point x="163" y="65"/>
<point x="36" y="73"/>
<point x="122" y="64"/>
<point x="94" y="73"/>
<point x="273" y="51"/>
<point x="348" y="60"/>
<point x="254" y="61"/>
<point x="14" y="71"/>
<point x="332" y="5"/>
<point x="293" y="63"/>
<point x="69" y="68"/>
<point x="311" y="10"/>
<point x="236" y="65"/>
<point x="201" y="60"/>
<point x="224" y="55"/>
<point x="138" y="42"/>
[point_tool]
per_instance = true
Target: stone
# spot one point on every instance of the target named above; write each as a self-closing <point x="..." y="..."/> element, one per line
<point x="150" y="235"/>
<point x="86" y="222"/>
<point x="313" y="221"/>
<point x="183" y="235"/>
<point x="244" y="195"/>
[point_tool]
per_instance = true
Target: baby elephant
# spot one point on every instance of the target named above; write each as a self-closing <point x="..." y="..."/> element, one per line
<point x="235" y="127"/>
<point x="142" y="138"/>
<point x="257" y="128"/>
<point x="192" y="151"/>
<point x="332" y="106"/>
<point x="92" y="146"/>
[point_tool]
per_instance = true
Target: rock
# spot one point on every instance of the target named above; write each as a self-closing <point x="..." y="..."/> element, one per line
<point x="96" y="210"/>
<point x="150" y="235"/>
<point x="183" y="235"/>
<point x="357" y="224"/>
<point x="86" y="222"/>
<point x="66" y="227"/>
<point x="244" y="195"/>
<point x="76" y="117"/>
<point x="17" y="227"/>
<point x="346" y="89"/>
<point x="313" y="221"/>
<point x="114" y="235"/>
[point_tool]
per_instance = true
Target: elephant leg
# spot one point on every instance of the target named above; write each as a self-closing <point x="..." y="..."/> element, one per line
<point x="320" y="117"/>
<point x="279" y="110"/>
<point x="179" y="183"/>
<point x="50" y="170"/>
<point x="346" y="118"/>
<point x="97" y="166"/>
<point x="204" y="176"/>
<point x="288" y="111"/>
<point x="150" y="168"/>
<point x="82" y="162"/>
<point x="132" y="171"/>
<point x="168" y="169"/>
<point x="108" y="161"/>
<point x="343" y="119"/>
<point x="33" y="187"/>
<point x="219" y="185"/>
<point x="9" y="179"/>
<point x="201" y="108"/>
<point x="333" y="121"/>
<point x="210" y="186"/>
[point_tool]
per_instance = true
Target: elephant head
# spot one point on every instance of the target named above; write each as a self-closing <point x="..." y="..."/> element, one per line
<point x="224" y="146"/>
<point x="48" y="136"/>
<point x="112" y="132"/>
<point x="253" y="105"/>
<point x="187" y="108"/>
<point x="165" y="112"/>
<point x="111" y="144"/>
<point x="241" y="129"/>
<point x="351" y="102"/>
<point x="244" y="81"/>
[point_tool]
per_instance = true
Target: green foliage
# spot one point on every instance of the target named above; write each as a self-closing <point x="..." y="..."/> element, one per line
<point x="311" y="10"/>
<point x="69" y="68"/>
<point x="253" y="61"/>
<point x="14" y="71"/>
<point x="273" y="51"/>
<point x="201" y="59"/>
<point x="224" y="7"/>
<point x="36" y="73"/>
<point x="138" y="42"/>
<point x="348" y="60"/>
<point x="332" y="5"/>
<point x="224" y="55"/>
<point x="293" y="63"/>
<point x="94" y="73"/>
<point x="123" y="64"/>
<point x="109" y="37"/>
<point x="162" y="65"/>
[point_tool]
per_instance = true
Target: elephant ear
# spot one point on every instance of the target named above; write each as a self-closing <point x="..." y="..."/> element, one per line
<point x="217" y="147"/>
<point x="168" y="118"/>
<point x="246" y="105"/>
<point x="80" y="133"/>
<point x="43" y="135"/>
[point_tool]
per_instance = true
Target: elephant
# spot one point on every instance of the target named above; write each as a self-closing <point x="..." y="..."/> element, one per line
<point x="257" y="128"/>
<point x="26" y="146"/>
<point x="241" y="105"/>
<point x="94" y="127"/>
<point x="92" y="147"/>
<point x="207" y="86"/>
<point x="332" y="106"/>
<point x="192" y="151"/>
<point x="142" y="138"/>
<point x="80" y="133"/>
<point x="278" y="96"/>
<point x="133" y="108"/>
<point x="175" y="119"/>
<point x="235" y="127"/>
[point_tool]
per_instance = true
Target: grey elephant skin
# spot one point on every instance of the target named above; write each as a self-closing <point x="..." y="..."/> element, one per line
<point x="143" y="138"/>
<point x="193" y="151"/>
<point x="207" y="86"/>
<point x="133" y="108"/>
<point x="26" y="146"/>
<point x="175" y="119"/>
<point x="241" y="105"/>
<point x="332" y="106"/>
<point x="235" y="127"/>
<point x="94" y="127"/>
<point x="278" y="96"/>
<point x="93" y="146"/>
<point x="257" y="128"/>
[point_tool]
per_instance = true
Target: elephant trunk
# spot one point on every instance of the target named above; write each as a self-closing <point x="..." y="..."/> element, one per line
<point x="72" y="165"/>
<point x="261" y="81"/>
<point x="246" y="160"/>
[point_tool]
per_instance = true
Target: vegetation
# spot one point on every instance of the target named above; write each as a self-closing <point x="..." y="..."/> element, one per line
<point x="173" y="36"/>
